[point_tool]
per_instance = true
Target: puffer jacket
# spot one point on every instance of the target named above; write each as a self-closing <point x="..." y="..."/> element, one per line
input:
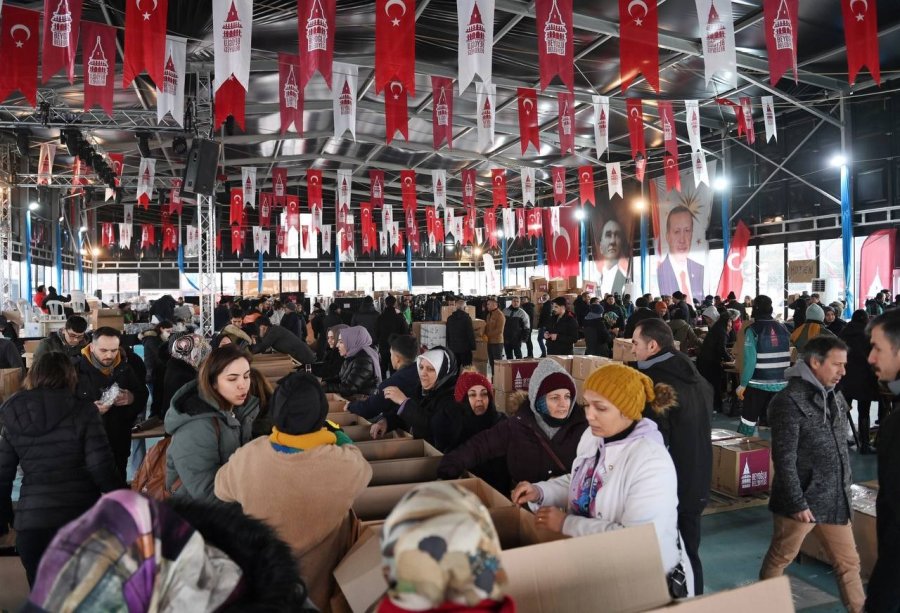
<point x="427" y="415"/>
<point x="64" y="453"/>
<point x="357" y="377"/>
<point x="684" y="334"/>
<point x="809" y="449"/>
<point x="196" y="453"/>
<point x="154" y="345"/>
<point x="860" y="382"/>
<point x="367" y="317"/>
<point x="460" y="333"/>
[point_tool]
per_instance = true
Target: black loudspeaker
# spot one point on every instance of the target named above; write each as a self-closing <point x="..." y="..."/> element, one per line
<point x="200" y="171"/>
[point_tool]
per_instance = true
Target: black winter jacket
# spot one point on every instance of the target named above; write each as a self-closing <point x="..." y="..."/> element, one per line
<point x="366" y="317"/>
<point x="809" y="449"/>
<point x="427" y="416"/>
<point x="282" y="340"/>
<point x="685" y="427"/>
<point x="546" y="315"/>
<point x="597" y="339"/>
<point x="407" y="379"/>
<point x="294" y="323"/>
<point x="460" y="333"/>
<point x="860" y="382"/>
<point x="178" y="373"/>
<point x="714" y="349"/>
<point x="529" y="310"/>
<point x="389" y="323"/>
<point x="566" y="327"/>
<point x="153" y="345"/>
<point x="330" y="365"/>
<point x="357" y="376"/>
<point x="64" y="453"/>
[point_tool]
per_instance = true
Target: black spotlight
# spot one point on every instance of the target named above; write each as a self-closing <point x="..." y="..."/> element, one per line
<point x="179" y="145"/>
<point x="23" y="142"/>
<point x="72" y="140"/>
<point x="144" y="144"/>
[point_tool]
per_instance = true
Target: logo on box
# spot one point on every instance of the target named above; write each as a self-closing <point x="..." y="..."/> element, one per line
<point x="755" y="474"/>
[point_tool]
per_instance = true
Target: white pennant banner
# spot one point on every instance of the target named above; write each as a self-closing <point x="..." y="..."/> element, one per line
<point x="382" y="243"/>
<point x="257" y="238"/>
<point x="387" y="217"/>
<point x="717" y="40"/>
<point x="170" y="97"/>
<point x="45" y="163"/>
<point x="128" y="212"/>
<point x="192" y="243"/>
<point x="343" y="94"/>
<point x="458" y="224"/>
<point x="248" y="181"/>
<point x="395" y="234"/>
<point x="485" y="112"/>
<point x="344" y="187"/>
<point x="125" y="235"/>
<point x="768" y="104"/>
<point x="326" y="239"/>
<point x="747" y="109"/>
<point x="432" y="244"/>
<point x="146" y="174"/>
<point x="509" y="223"/>
<point x="479" y="235"/>
<point x="601" y="124"/>
<point x="317" y="219"/>
<point x="554" y="220"/>
<point x="698" y="164"/>
<point x="265" y="236"/>
<point x="527" y="177"/>
<point x="232" y="32"/>
<point x="614" y="179"/>
<point x="692" y="120"/>
<point x="475" y="41"/>
<point x="439" y="186"/>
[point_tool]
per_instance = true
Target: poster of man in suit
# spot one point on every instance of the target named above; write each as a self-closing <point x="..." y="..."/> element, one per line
<point x="612" y="231"/>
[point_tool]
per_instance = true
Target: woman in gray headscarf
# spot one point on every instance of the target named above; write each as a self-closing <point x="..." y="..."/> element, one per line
<point x="330" y="367"/>
<point x="361" y="372"/>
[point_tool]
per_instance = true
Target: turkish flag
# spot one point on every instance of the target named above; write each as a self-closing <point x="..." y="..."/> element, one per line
<point x="520" y="223"/>
<point x="279" y="184"/>
<point x="747" y="117"/>
<point x="236" y="208"/>
<point x="398" y="246"/>
<point x="314" y="188"/>
<point x="395" y="43"/>
<point x="563" y="247"/>
<point x="559" y="184"/>
<point x="175" y="202"/>
<point x="367" y="225"/>
<point x="673" y="176"/>
<point x="781" y="37"/>
<point x="636" y="126"/>
<point x="237" y="240"/>
<point x="170" y="238"/>
<point x="732" y="279"/>
<point x="292" y="208"/>
<point x="376" y="188"/>
<point x="396" y="112"/>
<point x="145" y="39"/>
<point x="266" y="200"/>
<point x="490" y="226"/>
<point x="107" y="236"/>
<point x="533" y="220"/>
<point x="304" y="236"/>
<point x="408" y="189"/>
<point x="316" y="26"/>
<point x="586" y="185"/>
<point x="861" y="32"/>
<point x="528" y="119"/>
<point x="19" y="50"/>
<point x="290" y="93"/>
<point x="468" y="181"/>
<point x="670" y="158"/>
<point x="117" y="164"/>
<point x="442" y="111"/>
<point x="498" y="182"/>
<point x="566" y="125"/>
<point x="148" y="235"/>
<point x="638" y="42"/>
<point x="62" y="21"/>
<point x="553" y="19"/>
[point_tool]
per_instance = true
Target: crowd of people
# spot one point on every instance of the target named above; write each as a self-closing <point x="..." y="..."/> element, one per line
<point x="242" y="456"/>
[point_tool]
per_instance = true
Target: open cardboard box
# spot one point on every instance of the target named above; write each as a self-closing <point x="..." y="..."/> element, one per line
<point x="409" y="470"/>
<point x="336" y="402"/>
<point x="363" y="433"/>
<point x="396" y="449"/>
<point x="377" y="502"/>
<point x="584" y="365"/>
<point x="770" y="595"/>
<point x="343" y="419"/>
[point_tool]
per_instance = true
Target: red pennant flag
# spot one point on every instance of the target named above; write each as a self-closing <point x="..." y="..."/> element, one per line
<point x="732" y="279"/>
<point x="564" y="246"/>
<point x="62" y="22"/>
<point x="145" y="39"/>
<point x="442" y="111"/>
<point x="638" y="42"/>
<point x="314" y="188"/>
<point x="636" y="126"/>
<point x="861" y="32"/>
<point x="107" y="237"/>
<point x="438" y="229"/>
<point x="396" y="113"/>
<point x="673" y="176"/>
<point x="395" y="43"/>
<point x="19" y="52"/>
<point x="266" y="200"/>
<point x="490" y="226"/>
<point x="667" y="120"/>
<point x="231" y="99"/>
<point x="586" y="185"/>
<point x="170" y="238"/>
<point x="469" y="226"/>
<point x="555" y="41"/>
<point x="429" y="220"/>
<point x="559" y="184"/>
<point x="117" y="164"/>
<point x="236" y="208"/>
<point x="498" y="182"/>
<point x="176" y="205"/>
<point x="468" y="181"/>
<point x="219" y="240"/>
<point x="237" y="240"/>
<point x="408" y="189"/>
<point x="148" y="235"/>
<point x="98" y="48"/>
<point x="281" y="240"/>
<point x="533" y="219"/>
<point x="566" y="125"/>
<point x="376" y="188"/>
<point x="304" y="233"/>
<point x="367" y="226"/>
<point x="398" y="248"/>
<point x="528" y="119"/>
<point x="279" y="184"/>
<point x="781" y="37"/>
<point x="290" y="94"/>
<point x="747" y="118"/>
<point x="292" y="208"/>
<point x="520" y="223"/>
<point x="316" y="25"/>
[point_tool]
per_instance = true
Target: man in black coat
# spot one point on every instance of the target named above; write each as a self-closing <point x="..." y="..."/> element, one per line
<point x="460" y="334"/>
<point x="100" y="365"/>
<point x="293" y="321"/>
<point x="404" y="350"/>
<point x="222" y="313"/>
<point x="389" y="323"/>
<point x="366" y="316"/>
<point x="70" y="340"/>
<point x="280" y="339"/>
<point x="562" y="330"/>
<point x="528" y="307"/>
<point x="685" y="428"/>
<point x="884" y="585"/>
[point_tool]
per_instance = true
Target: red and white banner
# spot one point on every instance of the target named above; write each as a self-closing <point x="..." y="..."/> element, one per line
<point x="520" y="223"/>
<point x="535" y="223"/>
<point x="566" y="122"/>
<point x="490" y="227"/>
<point x="439" y="187"/>
<point x="248" y="182"/>
<point x="614" y="179"/>
<point x="236" y="207"/>
<point x="692" y="121"/>
<point x="768" y="107"/>
<point x="717" y="40"/>
<point x="232" y="34"/>
<point x="170" y="93"/>
<point x="62" y="22"/>
<point x="528" y="119"/>
<point x="780" y="26"/>
<point x="485" y="109"/>
<point x="128" y="214"/>
<point x="395" y="43"/>
<point x="317" y="219"/>
<point x="698" y="165"/>
<point x="527" y="179"/>
<point x="475" y="41"/>
<point x="408" y="189"/>
<point x="601" y="124"/>
<point x="326" y="239"/>
<point x="861" y="34"/>
<point x="344" y="191"/>
<point x="266" y="201"/>
<point x="498" y="187"/>
<point x="732" y="279"/>
<point x="304" y="238"/>
<point x="586" y="185"/>
<point x="292" y="211"/>
<point x="376" y="188"/>
<point x="747" y="117"/>
<point x="176" y="205"/>
<point x="638" y="42"/>
<point x="279" y="184"/>
<point x="640" y="167"/>
<point x="673" y="177"/>
<point x="170" y="237"/>
<point x="19" y="42"/>
<point x="382" y="243"/>
<point x="281" y="246"/>
<point x="442" y="111"/>
<point x="344" y="98"/>
<point x="876" y="264"/>
<point x="367" y="226"/>
<point x="313" y="189"/>
<point x="636" y="126"/>
<point x="98" y="47"/>
<point x="107" y="235"/>
<point x="290" y="94"/>
<point x="45" y="163"/>
<point x="145" y="39"/>
<point x="148" y="235"/>
<point x="78" y="178"/>
<point x="509" y="223"/>
<point x="237" y="241"/>
<point x="559" y="184"/>
<point x="431" y="213"/>
<point x="316" y="26"/>
<point x="396" y="112"/>
<point x="412" y="229"/>
<point x="146" y="174"/>
<point x="670" y="141"/>
<point x="468" y="182"/>
<point x="257" y="238"/>
<point x="563" y="245"/>
<point x="387" y="218"/>
<point x="556" y="43"/>
<point x="469" y="225"/>
<point x="192" y="240"/>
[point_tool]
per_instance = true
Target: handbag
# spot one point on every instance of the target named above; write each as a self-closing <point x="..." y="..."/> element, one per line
<point x="676" y="579"/>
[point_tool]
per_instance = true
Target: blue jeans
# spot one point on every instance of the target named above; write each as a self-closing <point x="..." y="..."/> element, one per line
<point x="541" y="341"/>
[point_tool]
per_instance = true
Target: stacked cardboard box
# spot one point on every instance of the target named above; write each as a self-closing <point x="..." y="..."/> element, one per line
<point x="430" y="333"/>
<point x="582" y="366"/>
<point x="741" y="466"/>
<point x="511" y="376"/>
<point x="446" y="311"/>
<point x="111" y="318"/>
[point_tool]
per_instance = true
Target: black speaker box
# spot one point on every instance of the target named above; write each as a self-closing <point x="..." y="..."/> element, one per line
<point x="200" y="171"/>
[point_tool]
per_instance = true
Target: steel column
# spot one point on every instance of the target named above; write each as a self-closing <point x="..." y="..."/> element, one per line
<point x="206" y="262"/>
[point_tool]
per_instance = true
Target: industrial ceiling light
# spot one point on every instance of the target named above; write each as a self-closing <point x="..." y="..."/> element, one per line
<point x="499" y="233"/>
<point x="837" y="160"/>
<point x="579" y="214"/>
<point x="33" y="206"/>
<point x="639" y="204"/>
<point x="143" y="139"/>
<point x="720" y="184"/>
<point x="97" y="251"/>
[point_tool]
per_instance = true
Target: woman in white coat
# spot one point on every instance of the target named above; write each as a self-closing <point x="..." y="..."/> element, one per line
<point x="622" y="475"/>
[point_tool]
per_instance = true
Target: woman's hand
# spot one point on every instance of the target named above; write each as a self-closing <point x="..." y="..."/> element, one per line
<point x="550" y="518"/>
<point x="525" y="493"/>
<point x="103" y="408"/>
<point x="394" y="394"/>
<point x="378" y="429"/>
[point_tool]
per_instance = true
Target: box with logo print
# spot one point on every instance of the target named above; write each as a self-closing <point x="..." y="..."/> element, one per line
<point x="513" y="375"/>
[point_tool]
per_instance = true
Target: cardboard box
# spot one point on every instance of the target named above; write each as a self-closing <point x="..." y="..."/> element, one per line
<point x="481" y="366"/>
<point x="336" y="402"/>
<point x="579" y="392"/>
<point x="430" y="333"/>
<point x="741" y="466"/>
<point x="10" y="382"/>
<point x="863" y="519"/>
<point x="718" y="434"/>
<point x="111" y="318"/>
<point x="769" y="595"/>
<point x="513" y="375"/>
<point x="558" y="285"/>
<point x="344" y="419"/>
<point x="377" y="502"/>
<point x="564" y="360"/>
<point x="571" y="281"/>
<point x="396" y="449"/>
<point x="584" y="365"/>
<point x="539" y="285"/>
<point x="446" y="311"/>
<point x="481" y="353"/>
<point x="409" y="470"/>
<point x="361" y="433"/>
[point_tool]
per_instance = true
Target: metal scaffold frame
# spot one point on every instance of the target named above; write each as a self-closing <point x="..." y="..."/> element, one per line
<point x="206" y="262"/>
<point x="6" y="250"/>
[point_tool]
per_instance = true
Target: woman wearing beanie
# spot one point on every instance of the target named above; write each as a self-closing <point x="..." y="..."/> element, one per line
<point x="361" y="371"/>
<point x="330" y="366"/>
<point x="301" y="480"/>
<point x="622" y="476"/>
<point x="813" y="326"/>
<point x="441" y="552"/>
<point x="538" y="442"/>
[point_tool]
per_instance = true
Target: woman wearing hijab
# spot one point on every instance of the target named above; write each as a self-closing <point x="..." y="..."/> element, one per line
<point x="330" y="366"/>
<point x="301" y="480"/>
<point x="441" y="552"/>
<point x="538" y="442"/>
<point x="187" y="353"/>
<point x="622" y="476"/>
<point x="360" y="373"/>
<point x="596" y="333"/>
<point x="427" y="416"/>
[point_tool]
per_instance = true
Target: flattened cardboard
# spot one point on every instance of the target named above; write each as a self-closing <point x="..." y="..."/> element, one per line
<point x="719" y="434"/>
<point x="359" y="575"/>
<point x="409" y="470"/>
<point x="396" y="449"/>
<point x="770" y="595"/>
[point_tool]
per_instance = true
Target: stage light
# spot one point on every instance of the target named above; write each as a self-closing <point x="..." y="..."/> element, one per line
<point x="179" y="145"/>
<point x="33" y="206"/>
<point x="639" y="204"/>
<point x="97" y="251"/>
<point x="477" y="251"/>
<point x="720" y="184"/>
<point x="579" y="214"/>
<point x="837" y="160"/>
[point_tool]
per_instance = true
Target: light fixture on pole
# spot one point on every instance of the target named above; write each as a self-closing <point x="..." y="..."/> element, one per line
<point x="837" y="160"/>
<point x="33" y="206"/>
<point x="721" y="183"/>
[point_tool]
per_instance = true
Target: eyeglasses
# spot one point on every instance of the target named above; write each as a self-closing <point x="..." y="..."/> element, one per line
<point x="74" y="337"/>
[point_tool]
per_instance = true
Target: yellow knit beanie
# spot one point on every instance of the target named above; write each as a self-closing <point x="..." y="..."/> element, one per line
<point x="626" y="387"/>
